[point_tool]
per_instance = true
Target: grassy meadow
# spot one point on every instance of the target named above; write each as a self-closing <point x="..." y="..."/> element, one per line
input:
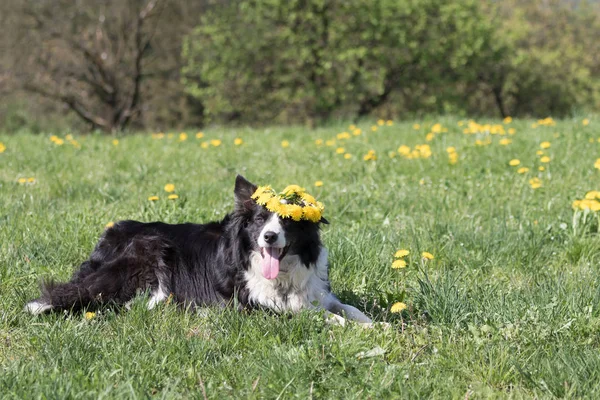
<point x="509" y="306"/>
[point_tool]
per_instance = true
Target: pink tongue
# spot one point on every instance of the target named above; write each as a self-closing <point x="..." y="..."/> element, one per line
<point x="270" y="262"/>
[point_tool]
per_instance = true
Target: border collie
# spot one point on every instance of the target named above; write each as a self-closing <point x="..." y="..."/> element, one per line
<point x="253" y="255"/>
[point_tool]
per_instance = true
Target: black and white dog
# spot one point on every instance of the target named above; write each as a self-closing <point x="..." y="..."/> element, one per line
<point x="252" y="255"/>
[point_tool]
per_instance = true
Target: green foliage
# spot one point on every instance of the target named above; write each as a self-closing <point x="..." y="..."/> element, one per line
<point x="308" y="60"/>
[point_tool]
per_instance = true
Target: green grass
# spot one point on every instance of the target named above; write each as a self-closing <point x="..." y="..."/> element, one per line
<point x="509" y="307"/>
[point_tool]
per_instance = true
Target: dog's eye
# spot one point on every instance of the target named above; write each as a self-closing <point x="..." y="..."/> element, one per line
<point x="259" y="219"/>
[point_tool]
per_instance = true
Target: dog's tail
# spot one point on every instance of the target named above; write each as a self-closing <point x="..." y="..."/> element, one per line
<point x="60" y="296"/>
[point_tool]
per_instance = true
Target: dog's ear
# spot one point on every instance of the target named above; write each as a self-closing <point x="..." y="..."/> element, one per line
<point x="323" y="221"/>
<point x="243" y="190"/>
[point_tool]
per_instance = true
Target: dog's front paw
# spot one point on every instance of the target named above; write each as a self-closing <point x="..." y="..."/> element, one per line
<point x="371" y="325"/>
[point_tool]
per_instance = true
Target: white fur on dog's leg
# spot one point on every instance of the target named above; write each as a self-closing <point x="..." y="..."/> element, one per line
<point x="334" y="319"/>
<point x="347" y="311"/>
<point x="158" y="296"/>
<point x="37" y="307"/>
<point x="371" y="325"/>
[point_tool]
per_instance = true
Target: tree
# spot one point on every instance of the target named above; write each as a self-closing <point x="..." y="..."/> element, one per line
<point x="107" y="61"/>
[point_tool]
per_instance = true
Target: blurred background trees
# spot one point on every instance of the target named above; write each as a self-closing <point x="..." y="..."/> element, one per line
<point x="161" y="64"/>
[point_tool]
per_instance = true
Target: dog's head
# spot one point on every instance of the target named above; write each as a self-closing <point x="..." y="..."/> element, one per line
<point x="273" y="236"/>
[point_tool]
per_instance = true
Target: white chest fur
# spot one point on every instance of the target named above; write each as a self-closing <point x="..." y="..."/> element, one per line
<point x="295" y="287"/>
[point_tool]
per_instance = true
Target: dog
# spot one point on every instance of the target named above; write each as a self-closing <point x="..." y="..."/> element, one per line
<point x="254" y="257"/>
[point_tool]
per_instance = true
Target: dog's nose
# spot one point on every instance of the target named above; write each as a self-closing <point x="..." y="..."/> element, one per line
<point x="270" y="237"/>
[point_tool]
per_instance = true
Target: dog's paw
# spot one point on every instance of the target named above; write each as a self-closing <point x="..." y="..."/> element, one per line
<point x="371" y="325"/>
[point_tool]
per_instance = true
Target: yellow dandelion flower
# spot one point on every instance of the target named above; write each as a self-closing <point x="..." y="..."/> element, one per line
<point x="597" y="164"/>
<point x="380" y="122"/>
<point x="308" y="198"/>
<point x="370" y="156"/>
<point x="535" y="183"/>
<point x="453" y="158"/>
<point x="330" y="142"/>
<point x="319" y="142"/>
<point x="401" y="253"/>
<point x="285" y="211"/>
<point x="399" y="264"/>
<point x="263" y="198"/>
<point x="169" y="188"/>
<point x="59" y="142"/>
<point x="292" y="189"/>
<point x="340" y="150"/>
<point x="199" y="135"/>
<point x="398" y="307"/>
<point x="183" y="136"/>
<point x="260" y="190"/>
<point x="312" y="214"/>
<point x="416" y="126"/>
<point x="429" y="137"/>
<point x="545" y="159"/>
<point x="541" y="168"/>
<point x="173" y="196"/>
<point x="2" y="147"/>
<point x="389" y="122"/>
<point x="285" y="143"/>
<point x="296" y="212"/>
<point x="374" y="128"/>
<point x="352" y="127"/>
<point x="576" y="204"/>
<point x="22" y="180"/>
<point x="89" y="315"/>
<point x="109" y="225"/>
<point x="522" y="170"/>
<point x="215" y="142"/>
<point x="238" y="141"/>
<point x="392" y="154"/>
<point x="512" y="131"/>
<point x="539" y="152"/>
<point x="514" y="162"/>
<point x="356" y="132"/>
<point x="592" y="194"/>
<point x="115" y="142"/>
<point x="69" y="137"/>
<point x="204" y="145"/>
<point x="505" y="141"/>
<point x="153" y="198"/>
<point x="347" y="156"/>
<point x="320" y="206"/>
<point x="545" y="145"/>
<point x="585" y="122"/>
<point x="451" y="149"/>
<point x="426" y="255"/>
<point x="31" y="180"/>
<point x="507" y="120"/>
<point x="594" y="205"/>
<point x="319" y="183"/>
<point x="404" y="150"/>
<point x="273" y="204"/>
<point x="343" y="135"/>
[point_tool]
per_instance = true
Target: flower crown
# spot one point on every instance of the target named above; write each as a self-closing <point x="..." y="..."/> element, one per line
<point x="293" y="202"/>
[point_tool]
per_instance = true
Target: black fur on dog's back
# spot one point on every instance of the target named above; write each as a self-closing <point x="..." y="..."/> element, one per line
<point x="133" y="256"/>
<point x="198" y="264"/>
